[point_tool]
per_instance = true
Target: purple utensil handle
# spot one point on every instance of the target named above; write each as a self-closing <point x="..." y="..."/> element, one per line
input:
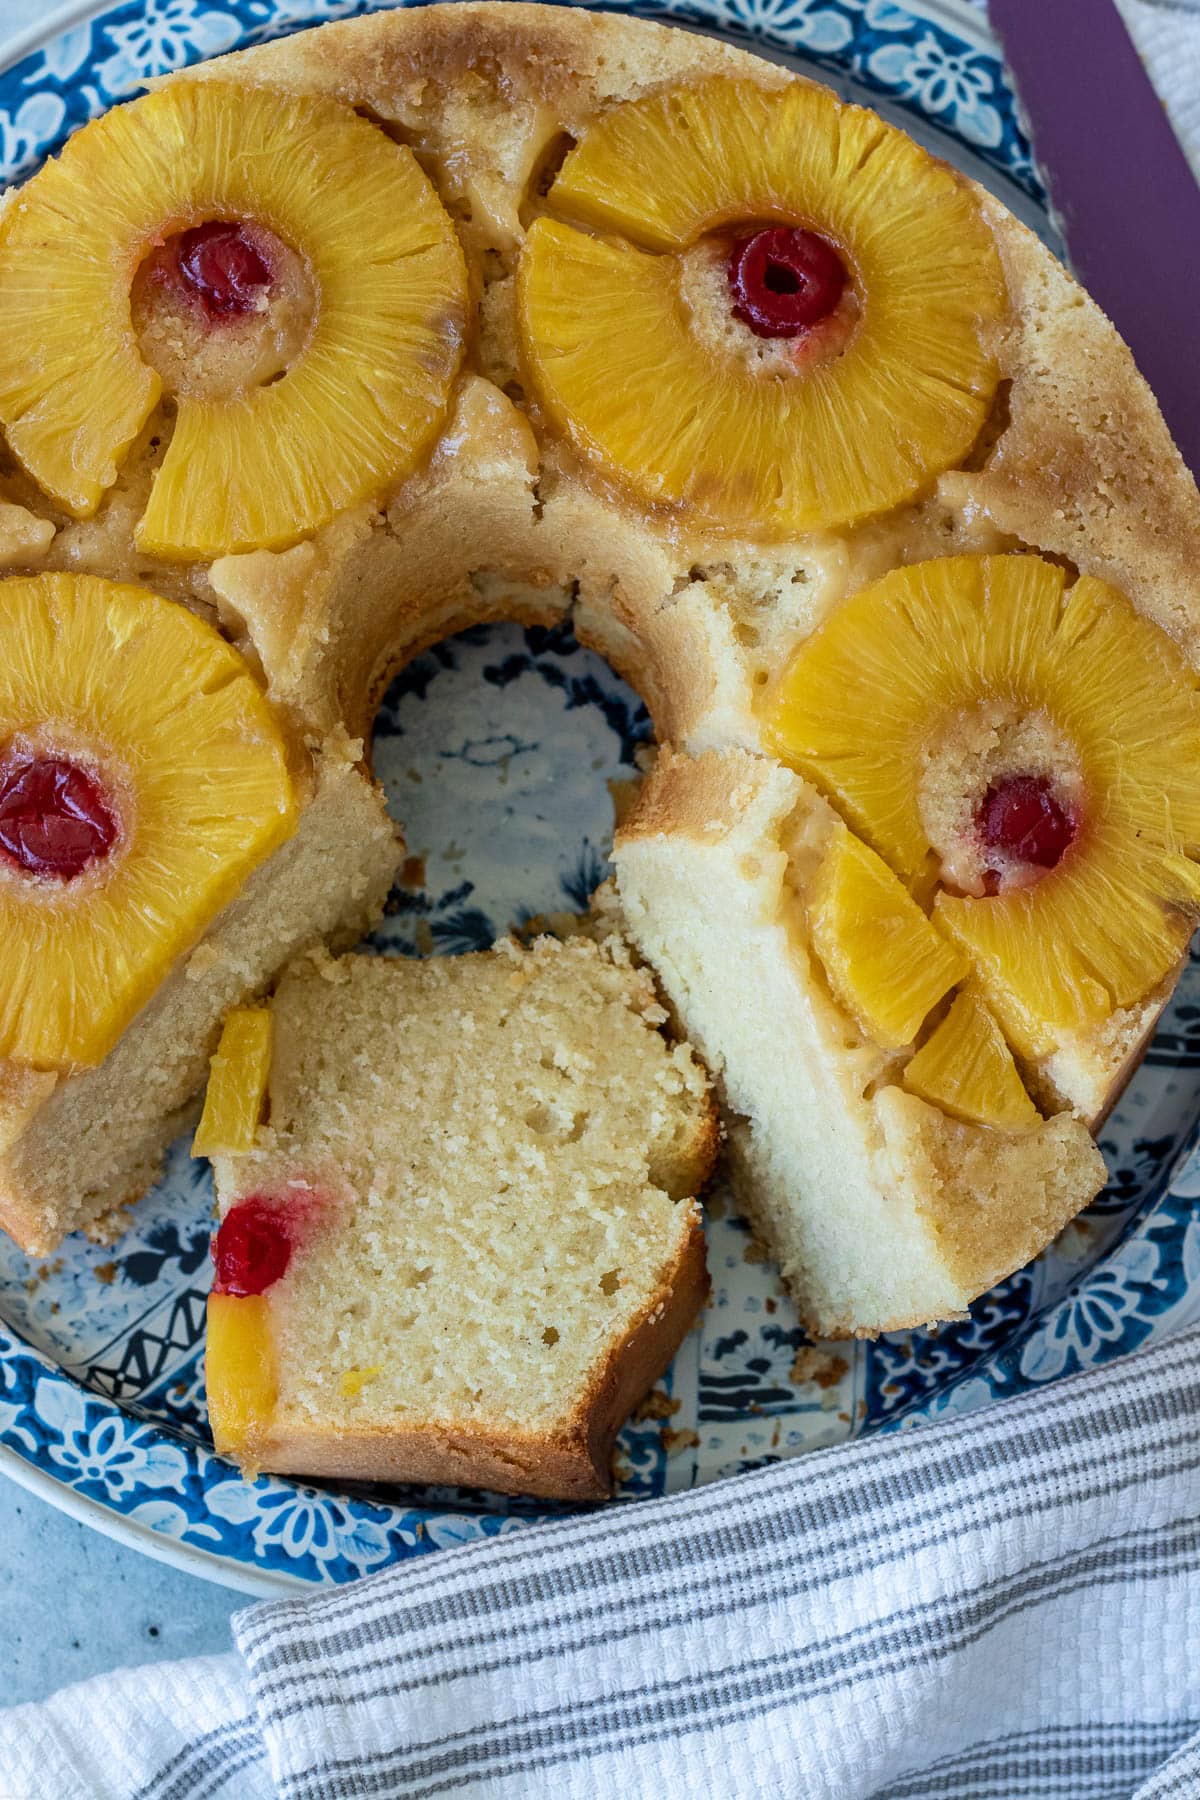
<point x="1122" y="190"/>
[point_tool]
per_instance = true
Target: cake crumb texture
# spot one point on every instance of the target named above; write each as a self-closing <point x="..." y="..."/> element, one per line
<point x="505" y="1150"/>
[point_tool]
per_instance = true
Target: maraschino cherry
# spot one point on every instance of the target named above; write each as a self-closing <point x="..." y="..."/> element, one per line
<point x="223" y="268"/>
<point x="55" y="817"/>
<point x="252" y="1248"/>
<point x="785" y="280"/>
<point x="1022" y="816"/>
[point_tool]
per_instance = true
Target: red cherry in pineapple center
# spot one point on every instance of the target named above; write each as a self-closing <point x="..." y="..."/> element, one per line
<point x="55" y="818"/>
<point x="1022" y="816"/>
<point x="222" y="267"/>
<point x="252" y="1248"/>
<point x="784" y="280"/>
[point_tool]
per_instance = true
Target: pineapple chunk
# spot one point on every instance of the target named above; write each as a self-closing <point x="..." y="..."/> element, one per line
<point x="885" y="962"/>
<point x="605" y="324"/>
<point x="865" y="696"/>
<point x="966" y="1068"/>
<point x="359" y="405"/>
<point x="237" y="1084"/>
<point x="353" y="1381"/>
<point x="188" y="747"/>
<point x="240" y="1374"/>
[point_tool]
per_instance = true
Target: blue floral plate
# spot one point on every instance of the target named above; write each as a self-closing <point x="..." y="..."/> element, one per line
<point x="101" y="1397"/>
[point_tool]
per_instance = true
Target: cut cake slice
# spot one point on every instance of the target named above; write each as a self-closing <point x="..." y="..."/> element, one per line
<point x="77" y="1145"/>
<point x="465" y="1241"/>
<point x="883" y="1210"/>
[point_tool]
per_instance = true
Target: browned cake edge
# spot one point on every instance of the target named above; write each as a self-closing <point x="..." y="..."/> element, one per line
<point x="571" y="1463"/>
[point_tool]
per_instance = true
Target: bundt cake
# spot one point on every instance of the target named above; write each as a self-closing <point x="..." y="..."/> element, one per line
<point x="345" y="342"/>
<point x="466" y="1260"/>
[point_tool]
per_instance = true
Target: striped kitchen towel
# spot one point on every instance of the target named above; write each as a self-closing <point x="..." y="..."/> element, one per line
<point x="1004" y="1605"/>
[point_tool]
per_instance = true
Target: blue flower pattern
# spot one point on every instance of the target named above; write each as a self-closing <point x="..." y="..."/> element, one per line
<point x="496" y="749"/>
<point x="160" y="36"/>
<point x="924" y="67"/>
<point x="945" y="84"/>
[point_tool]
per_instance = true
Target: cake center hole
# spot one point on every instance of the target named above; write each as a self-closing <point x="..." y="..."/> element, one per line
<point x="503" y="753"/>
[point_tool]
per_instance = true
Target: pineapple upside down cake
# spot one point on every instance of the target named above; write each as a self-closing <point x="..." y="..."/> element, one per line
<point x="320" y="352"/>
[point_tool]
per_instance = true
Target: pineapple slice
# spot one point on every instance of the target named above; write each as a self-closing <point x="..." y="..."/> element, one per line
<point x="237" y="1083"/>
<point x="146" y="710"/>
<point x="354" y="411"/>
<point x="966" y="1068"/>
<point x="858" y="705"/>
<point x="1096" y="934"/>
<point x="865" y="697"/>
<point x="885" y="961"/>
<point x="605" y="322"/>
<point x="240" y="1374"/>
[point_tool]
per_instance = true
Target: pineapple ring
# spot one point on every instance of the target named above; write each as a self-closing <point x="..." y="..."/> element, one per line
<point x="862" y="699"/>
<point x="355" y="410"/>
<point x="171" y="715"/>
<point x="606" y="326"/>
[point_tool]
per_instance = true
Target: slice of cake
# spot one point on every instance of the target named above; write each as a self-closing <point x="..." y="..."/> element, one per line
<point x="165" y="846"/>
<point x="892" y="1185"/>
<point x="464" y="1241"/>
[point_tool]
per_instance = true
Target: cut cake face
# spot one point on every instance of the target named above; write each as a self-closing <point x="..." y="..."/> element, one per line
<point x="806" y="434"/>
<point x="891" y="1190"/>
<point x="464" y="1241"/>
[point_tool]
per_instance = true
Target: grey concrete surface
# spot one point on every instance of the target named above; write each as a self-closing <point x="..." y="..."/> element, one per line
<point x="74" y="1603"/>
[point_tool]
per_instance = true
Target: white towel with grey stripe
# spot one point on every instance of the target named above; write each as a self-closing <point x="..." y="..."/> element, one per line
<point x="1003" y="1606"/>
